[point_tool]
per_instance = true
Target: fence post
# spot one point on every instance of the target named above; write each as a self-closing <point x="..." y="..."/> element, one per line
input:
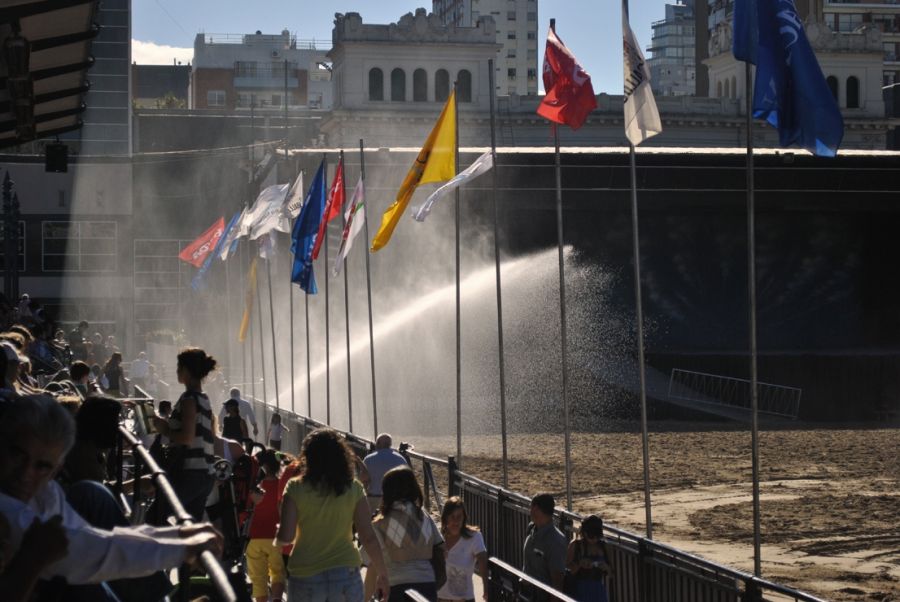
<point x="644" y="555"/>
<point x="452" y="469"/>
<point x="752" y="591"/>
<point x="501" y="541"/>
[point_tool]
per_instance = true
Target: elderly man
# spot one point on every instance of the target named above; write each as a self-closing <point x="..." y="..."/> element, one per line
<point x="36" y="433"/>
<point x="377" y="463"/>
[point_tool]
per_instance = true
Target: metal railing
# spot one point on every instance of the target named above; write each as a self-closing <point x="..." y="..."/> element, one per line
<point x="207" y="560"/>
<point x="716" y="390"/>
<point x="643" y="570"/>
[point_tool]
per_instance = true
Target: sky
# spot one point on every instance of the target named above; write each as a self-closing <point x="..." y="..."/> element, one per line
<point x="165" y="29"/>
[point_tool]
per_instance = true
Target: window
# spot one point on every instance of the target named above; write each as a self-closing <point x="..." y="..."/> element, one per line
<point x="718" y="89"/>
<point x="852" y="92"/>
<point x="532" y="74"/>
<point x="464" y="86"/>
<point x="511" y="53"/>
<point x="215" y="98"/>
<point x="727" y="89"/>
<point x="398" y="85"/>
<point x="833" y="86"/>
<point x="532" y="16"/>
<point x="376" y="84"/>
<point x="532" y="55"/>
<point x="532" y="35"/>
<point x="511" y="73"/>
<point x="420" y="85"/>
<point x="20" y="248"/>
<point x="441" y="85"/>
<point x="733" y="87"/>
<point x="510" y="15"/>
<point x="511" y="35"/>
<point x="276" y="100"/>
<point x="79" y="246"/>
<point x="245" y="69"/>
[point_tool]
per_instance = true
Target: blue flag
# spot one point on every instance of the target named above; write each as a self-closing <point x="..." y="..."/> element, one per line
<point x="303" y="236"/>
<point x="790" y="91"/>
<point x="198" y="282"/>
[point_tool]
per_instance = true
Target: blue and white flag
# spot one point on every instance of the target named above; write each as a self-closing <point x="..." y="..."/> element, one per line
<point x="232" y="235"/>
<point x="303" y="236"/>
<point x="198" y="282"/>
<point x="790" y="91"/>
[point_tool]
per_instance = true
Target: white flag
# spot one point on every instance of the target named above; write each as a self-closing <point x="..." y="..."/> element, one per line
<point x="267" y="246"/>
<point x="268" y="212"/>
<point x="641" y="116"/>
<point x="354" y="219"/>
<point x="294" y="201"/>
<point x="233" y="234"/>
<point x="481" y="165"/>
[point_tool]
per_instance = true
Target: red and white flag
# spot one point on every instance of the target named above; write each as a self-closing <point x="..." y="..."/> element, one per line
<point x="568" y="94"/>
<point x="197" y="251"/>
<point x="332" y="206"/>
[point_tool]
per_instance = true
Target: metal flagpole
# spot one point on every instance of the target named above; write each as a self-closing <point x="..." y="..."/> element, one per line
<point x="501" y="364"/>
<point x="327" y="328"/>
<point x="346" y="304"/>
<point x="243" y="346"/>
<point x="458" y="337"/>
<point x="751" y="293"/>
<point x="252" y="338"/>
<point x="272" y="325"/>
<point x="362" y="174"/>
<point x="645" y="443"/>
<point x="262" y="358"/>
<point x="308" y="370"/>
<point x="293" y="377"/>
<point x="562" y="311"/>
<point x="229" y="352"/>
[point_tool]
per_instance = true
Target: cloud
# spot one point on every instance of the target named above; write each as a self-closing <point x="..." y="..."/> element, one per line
<point x="148" y="53"/>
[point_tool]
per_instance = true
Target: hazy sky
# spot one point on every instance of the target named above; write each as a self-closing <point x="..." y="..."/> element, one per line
<point x="590" y="28"/>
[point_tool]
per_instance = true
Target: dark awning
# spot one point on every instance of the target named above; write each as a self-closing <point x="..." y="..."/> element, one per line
<point x="44" y="58"/>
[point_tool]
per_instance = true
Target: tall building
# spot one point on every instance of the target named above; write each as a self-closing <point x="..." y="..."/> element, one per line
<point x="235" y="71"/>
<point x="516" y="66"/>
<point x="672" y="68"/>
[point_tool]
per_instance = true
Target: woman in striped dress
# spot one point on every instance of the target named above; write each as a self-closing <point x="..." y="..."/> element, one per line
<point x="190" y="432"/>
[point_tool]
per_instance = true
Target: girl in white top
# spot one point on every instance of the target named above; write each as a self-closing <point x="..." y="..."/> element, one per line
<point x="465" y="553"/>
<point x="276" y="430"/>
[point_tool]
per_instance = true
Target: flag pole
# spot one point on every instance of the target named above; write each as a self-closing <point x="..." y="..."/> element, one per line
<point x="293" y="377"/>
<point x="645" y="442"/>
<point x="272" y="325"/>
<point x="262" y="353"/>
<point x="252" y="338"/>
<point x="346" y="303"/>
<point x="562" y="311"/>
<point x="362" y="174"/>
<point x="327" y="328"/>
<point x="501" y="363"/>
<point x="243" y="346"/>
<point x="308" y="368"/>
<point x="229" y="353"/>
<point x="458" y="337"/>
<point x="751" y="293"/>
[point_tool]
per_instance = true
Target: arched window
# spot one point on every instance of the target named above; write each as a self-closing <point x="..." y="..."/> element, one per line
<point x="733" y="87"/>
<point x="718" y="89"/>
<point x="420" y="85"/>
<point x="852" y="92"/>
<point x="376" y="84"/>
<point x="464" y="86"/>
<point x="441" y="85"/>
<point x="833" y="86"/>
<point x="398" y="85"/>
<point x="727" y="90"/>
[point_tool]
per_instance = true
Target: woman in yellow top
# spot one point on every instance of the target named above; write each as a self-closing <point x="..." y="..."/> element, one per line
<point x="318" y="512"/>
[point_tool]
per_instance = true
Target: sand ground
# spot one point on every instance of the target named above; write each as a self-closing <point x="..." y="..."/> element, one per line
<point x="830" y="498"/>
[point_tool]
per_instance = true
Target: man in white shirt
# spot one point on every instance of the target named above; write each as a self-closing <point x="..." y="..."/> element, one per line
<point x="140" y="370"/>
<point x="36" y="433"/>
<point x="245" y="408"/>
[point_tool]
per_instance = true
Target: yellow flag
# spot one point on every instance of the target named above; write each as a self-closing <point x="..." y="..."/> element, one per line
<point x="436" y="163"/>
<point x="248" y="302"/>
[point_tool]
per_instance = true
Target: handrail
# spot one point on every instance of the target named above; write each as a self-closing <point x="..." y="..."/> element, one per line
<point x="415" y="596"/>
<point x="529" y="580"/>
<point x="207" y="559"/>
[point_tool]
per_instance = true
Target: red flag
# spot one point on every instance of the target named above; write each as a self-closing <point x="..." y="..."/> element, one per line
<point x="332" y="206"/>
<point x="569" y="96"/>
<point x="197" y="251"/>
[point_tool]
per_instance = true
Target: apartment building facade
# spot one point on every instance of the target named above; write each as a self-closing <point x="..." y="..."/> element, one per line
<point x="672" y="52"/>
<point x="516" y="65"/>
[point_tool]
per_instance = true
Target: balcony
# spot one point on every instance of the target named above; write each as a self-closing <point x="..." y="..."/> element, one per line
<point x="265" y="76"/>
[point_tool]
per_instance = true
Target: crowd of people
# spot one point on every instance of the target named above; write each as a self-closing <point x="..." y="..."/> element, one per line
<point x="304" y="526"/>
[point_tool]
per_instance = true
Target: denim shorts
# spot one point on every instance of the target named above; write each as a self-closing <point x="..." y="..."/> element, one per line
<point x="342" y="584"/>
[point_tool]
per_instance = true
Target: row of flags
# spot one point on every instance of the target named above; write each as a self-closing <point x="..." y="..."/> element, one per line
<point x="790" y="93"/>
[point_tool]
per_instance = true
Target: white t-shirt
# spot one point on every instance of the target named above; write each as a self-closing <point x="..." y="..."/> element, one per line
<point x="461" y="568"/>
<point x="275" y="431"/>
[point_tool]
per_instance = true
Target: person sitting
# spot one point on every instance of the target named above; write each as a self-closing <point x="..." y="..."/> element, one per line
<point x="36" y="433"/>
